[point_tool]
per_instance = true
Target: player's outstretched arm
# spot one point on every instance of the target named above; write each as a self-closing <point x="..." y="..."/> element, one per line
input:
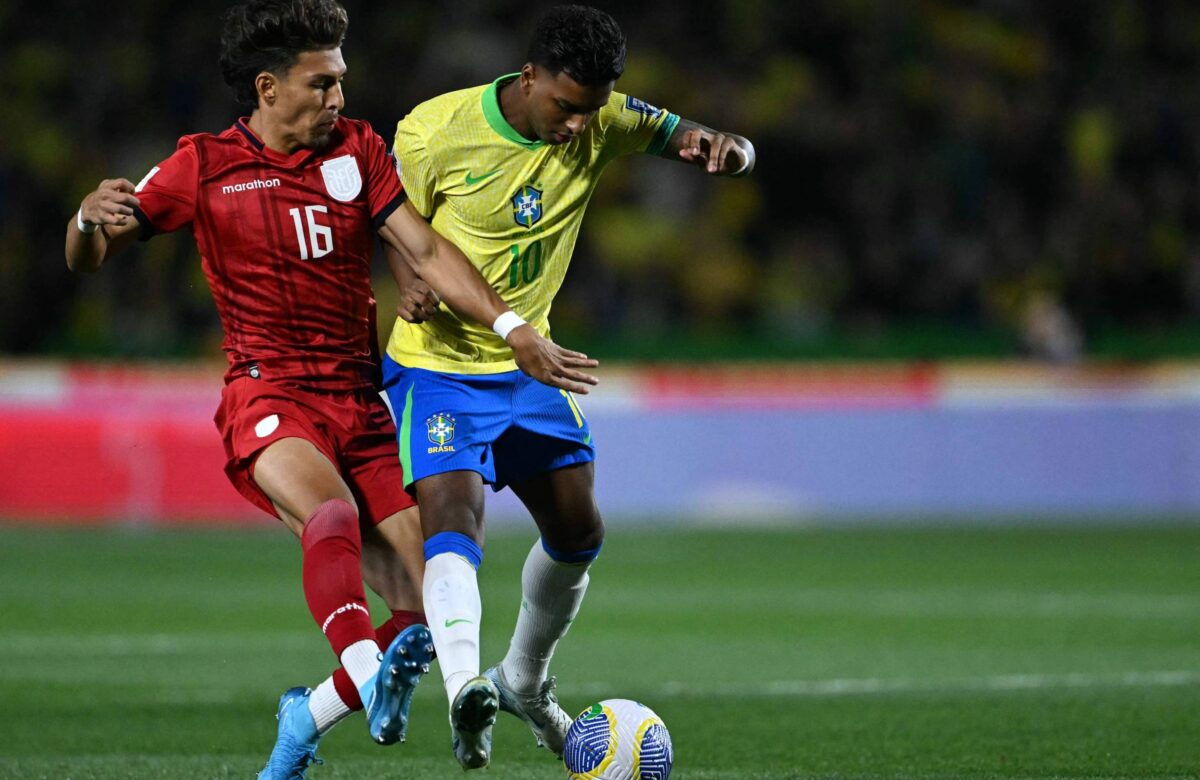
<point x="418" y="302"/>
<point x="103" y="226"/>
<point x="464" y="289"/>
<point x="714" y="152"/>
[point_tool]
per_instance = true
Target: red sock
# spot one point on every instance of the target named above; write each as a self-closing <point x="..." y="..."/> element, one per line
<point x="387" y="631"/>
<point x="332" y="545"/>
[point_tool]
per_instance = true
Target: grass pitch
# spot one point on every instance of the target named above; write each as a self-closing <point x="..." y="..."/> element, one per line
<point x="863" y="653"/>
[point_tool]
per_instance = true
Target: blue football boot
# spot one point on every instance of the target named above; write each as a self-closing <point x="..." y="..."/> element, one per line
<point x="296" y="744"/>
<point x="406" y="659"/>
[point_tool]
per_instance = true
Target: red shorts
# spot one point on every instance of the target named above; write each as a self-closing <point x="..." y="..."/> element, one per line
<point x="353" y="429"/>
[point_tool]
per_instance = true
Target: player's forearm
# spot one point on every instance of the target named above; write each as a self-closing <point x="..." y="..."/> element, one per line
<point x="446" y="269"/>
<point x="442" y="266"/>
<point x="103" y="226"/>
<point x="402" y="272"/>
<point x="85" y="251"/>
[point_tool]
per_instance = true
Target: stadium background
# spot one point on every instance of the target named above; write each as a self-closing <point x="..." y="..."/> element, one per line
<point x="938" y="179"/>
<point x="941" y="343"/>
<point x="939" y="183"/>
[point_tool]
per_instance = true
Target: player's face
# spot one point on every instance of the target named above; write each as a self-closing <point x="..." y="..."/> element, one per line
<point x="309" y="97"/>
<point x="560" y="107"/>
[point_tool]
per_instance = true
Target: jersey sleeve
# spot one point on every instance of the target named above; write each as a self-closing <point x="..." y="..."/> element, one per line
<point x="632" y="125"/>
<point x="385" y="193"/>
<point x="417" y="170"/>
<point x="167" y="194"/>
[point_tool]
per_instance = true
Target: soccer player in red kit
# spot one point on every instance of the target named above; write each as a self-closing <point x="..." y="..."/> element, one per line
<point x="284" y="206"/>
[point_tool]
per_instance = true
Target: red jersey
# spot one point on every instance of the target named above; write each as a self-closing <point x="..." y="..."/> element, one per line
<point x="286" y="244"/>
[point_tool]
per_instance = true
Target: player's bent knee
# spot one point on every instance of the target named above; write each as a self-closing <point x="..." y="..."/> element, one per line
<point x="580" y="555"/>
<point x="593" y="538"/>
<point x="583" y="532"/>
<point x="332" y="520"/>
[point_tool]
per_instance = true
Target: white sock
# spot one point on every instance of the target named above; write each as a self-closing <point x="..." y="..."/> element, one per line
<point x="326" y="706"/>
<point x="452" y="605"/>
<point x="361" y="662"/>
<point x="551" y="593"/>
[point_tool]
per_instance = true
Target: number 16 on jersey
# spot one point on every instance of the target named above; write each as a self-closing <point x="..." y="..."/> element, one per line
<point x="320" y="237"/>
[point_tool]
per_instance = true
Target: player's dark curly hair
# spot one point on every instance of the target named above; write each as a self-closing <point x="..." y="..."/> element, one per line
<point x="585" y="43"/>
<point x="269" y="35"/>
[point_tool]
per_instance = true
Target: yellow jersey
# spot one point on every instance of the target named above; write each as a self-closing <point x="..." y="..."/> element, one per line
<point x="513" y="206"/>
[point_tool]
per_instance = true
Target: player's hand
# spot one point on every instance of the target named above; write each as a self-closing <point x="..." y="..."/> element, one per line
<point x="549" y="363"/>
<point x="715" y="153"/>
<point x="112" y="203"/>
<point x="418" y="302"/>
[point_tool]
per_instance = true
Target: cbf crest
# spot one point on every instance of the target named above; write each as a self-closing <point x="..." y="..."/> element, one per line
<point x="440" y="429"/>
<point x="342" y="179"/>
<point x="527" y="206"/>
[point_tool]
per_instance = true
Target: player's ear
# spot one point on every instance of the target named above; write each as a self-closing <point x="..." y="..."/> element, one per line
<point x="528" y="74"/>
<point x="267" y="85"/>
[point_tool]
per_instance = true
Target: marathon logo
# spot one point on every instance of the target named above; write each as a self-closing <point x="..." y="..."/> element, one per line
<point x="340" y="610"/>
<point x="256" y="184"/>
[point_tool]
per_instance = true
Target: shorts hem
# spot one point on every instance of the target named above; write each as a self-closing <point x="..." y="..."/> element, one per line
<point x="575" y="458"/>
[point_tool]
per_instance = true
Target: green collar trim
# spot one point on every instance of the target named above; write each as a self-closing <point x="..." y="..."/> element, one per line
<point x="495" y="117"/>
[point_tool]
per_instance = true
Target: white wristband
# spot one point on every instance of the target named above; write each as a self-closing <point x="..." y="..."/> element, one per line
<point x="506" y="322"/>
<point x="84" y="227"/>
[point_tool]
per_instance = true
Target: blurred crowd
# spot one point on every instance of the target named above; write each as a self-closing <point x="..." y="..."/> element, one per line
<point x="1006" y="167"/>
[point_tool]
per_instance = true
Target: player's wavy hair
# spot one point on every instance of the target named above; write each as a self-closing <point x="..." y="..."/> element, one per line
<point x="270" y="35"/>
<point x="583" y="42"/>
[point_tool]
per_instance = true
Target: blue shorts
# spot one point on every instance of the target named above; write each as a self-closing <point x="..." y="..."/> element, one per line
<point x="507" y="427"/>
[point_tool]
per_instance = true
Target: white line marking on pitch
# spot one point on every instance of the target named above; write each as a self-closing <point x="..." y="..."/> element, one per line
<point x="144" y="644"/>
<point x="868" y="686"/>
<point x="1003" y="682"/>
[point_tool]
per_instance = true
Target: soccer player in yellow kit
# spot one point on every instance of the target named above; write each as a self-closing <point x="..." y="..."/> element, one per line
<point x="505" y="172"/>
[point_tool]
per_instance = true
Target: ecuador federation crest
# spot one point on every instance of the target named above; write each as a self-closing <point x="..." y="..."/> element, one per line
<point x="342" y="179"/>
<point x="440" y="428"/>
<point x="527" y="206"/>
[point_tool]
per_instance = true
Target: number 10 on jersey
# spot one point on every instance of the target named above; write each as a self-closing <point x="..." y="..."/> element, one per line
<point x="525" y="266"/>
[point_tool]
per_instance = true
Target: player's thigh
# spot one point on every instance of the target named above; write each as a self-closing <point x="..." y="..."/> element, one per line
<point x="446" y="422"/>
<point x="366" y="448"/>
<point x="253" y="417"/>
<point x="298" y="478"/>
<point x="452" y="501"/>
<point x="547" y="458"/>
<point x="549" y="432"/>
<point x="563" y="504"/>
<point x="393" y="563"/>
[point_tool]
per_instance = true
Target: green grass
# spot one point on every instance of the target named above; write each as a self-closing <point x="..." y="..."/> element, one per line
<point x="864" y="653"/>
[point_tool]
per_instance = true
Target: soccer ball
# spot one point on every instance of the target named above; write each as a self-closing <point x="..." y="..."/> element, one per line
<point x="618" y="739"/>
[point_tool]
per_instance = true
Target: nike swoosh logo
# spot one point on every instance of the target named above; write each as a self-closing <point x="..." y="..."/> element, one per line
<point x="457" y="621"/>
<point x="476" y="179"/>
